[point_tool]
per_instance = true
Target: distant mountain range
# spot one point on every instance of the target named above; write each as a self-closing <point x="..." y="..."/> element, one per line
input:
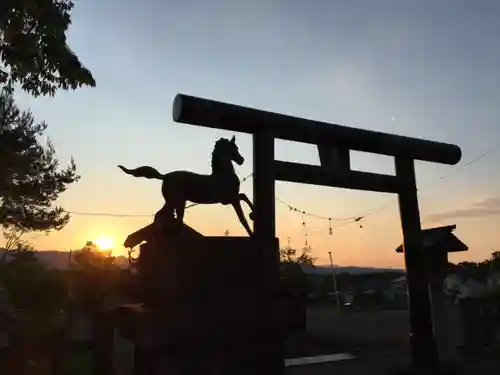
<point x="59" y="260"/>
<point x="353" y="270"/>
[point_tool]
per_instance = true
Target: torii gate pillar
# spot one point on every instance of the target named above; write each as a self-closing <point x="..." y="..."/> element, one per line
<point x="263" y="185"/>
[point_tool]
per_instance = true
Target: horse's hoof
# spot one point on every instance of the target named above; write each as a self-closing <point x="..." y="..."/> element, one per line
<point x="251" y="216"/>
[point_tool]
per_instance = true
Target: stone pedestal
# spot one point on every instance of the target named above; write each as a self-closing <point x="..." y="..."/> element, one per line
<point x="210" y="306"/>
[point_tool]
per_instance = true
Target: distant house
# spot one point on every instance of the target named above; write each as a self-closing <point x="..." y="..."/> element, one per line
<point x="436" y="244"/>
<point x="399" y="285"/>
<point x="494" y="281"/>
<point x="396" y="292"/>
<point x="457" y="288"/>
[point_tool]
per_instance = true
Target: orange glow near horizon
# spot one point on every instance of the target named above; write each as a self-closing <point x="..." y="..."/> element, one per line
<point x="104" y="243"/>
<point x="372" y="245"/>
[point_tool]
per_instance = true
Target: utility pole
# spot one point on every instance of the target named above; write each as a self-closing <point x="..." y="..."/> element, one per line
<point x="334" y="281"/>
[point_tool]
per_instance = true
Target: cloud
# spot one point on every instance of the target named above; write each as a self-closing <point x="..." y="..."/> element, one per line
<point x="486" y="207"/>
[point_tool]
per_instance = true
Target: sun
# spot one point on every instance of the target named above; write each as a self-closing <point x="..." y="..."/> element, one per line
<point x="104" y="243"/>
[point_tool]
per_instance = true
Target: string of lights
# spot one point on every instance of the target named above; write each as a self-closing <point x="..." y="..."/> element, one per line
<point x="378" y="209"/>
<point x="304" y="227"/>
<point x="305" y="213"/>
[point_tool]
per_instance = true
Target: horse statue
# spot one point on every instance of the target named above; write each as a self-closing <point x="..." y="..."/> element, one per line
<point x="222" y="186"/>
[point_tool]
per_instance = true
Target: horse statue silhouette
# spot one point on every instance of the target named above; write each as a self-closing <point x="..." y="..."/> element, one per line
<point x="222" y="186"/>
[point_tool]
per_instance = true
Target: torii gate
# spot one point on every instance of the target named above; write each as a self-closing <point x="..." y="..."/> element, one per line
<point x="334" y="143"/>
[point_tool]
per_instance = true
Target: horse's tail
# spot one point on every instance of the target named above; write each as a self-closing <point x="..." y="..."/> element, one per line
<point x="147" y="172"/>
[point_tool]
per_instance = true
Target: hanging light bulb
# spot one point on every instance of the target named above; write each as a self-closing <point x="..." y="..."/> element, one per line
<point x="357" y="220"/>
<point x="330" y="226"/>
<point x="304" y="226"/>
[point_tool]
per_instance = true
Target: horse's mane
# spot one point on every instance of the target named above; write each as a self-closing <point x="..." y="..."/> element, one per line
<point x="219" y="142"/>
<point x="216" y="151"/>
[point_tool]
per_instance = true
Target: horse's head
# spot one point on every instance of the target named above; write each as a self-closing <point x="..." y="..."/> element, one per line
<point x="229" y="149"/>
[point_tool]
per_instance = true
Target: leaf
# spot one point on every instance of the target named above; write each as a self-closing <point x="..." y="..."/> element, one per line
<point x="34" y="50"/>
<point x="31" y="178"/>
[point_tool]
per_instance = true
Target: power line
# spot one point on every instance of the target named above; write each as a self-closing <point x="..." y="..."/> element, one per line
<point x="439" y="179"/>
<point x="107" y="214"/>
<point x="80" y="213"/>
<point x="343" y="220"/>
<point x="346" y="220"/>
<point x="464" y="166"/>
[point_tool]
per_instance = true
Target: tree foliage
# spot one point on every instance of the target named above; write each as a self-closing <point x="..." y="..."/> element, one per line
<point x="494" y="261"/>
<point x="94" y="277"/>
<point x="290" y="255"/>
<point x="33" y="47"/>
<point x="292" y="274"/>
<point x="480" y="271"/>
<point x="14" y="241"/>
<point x="31" y="285"/>
<point x="31" y="178"/>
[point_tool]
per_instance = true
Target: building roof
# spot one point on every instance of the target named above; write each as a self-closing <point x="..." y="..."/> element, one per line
<point x="440" y="238"/>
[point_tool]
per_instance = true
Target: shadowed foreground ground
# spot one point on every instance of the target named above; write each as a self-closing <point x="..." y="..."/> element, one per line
<point x="379" y="339"/>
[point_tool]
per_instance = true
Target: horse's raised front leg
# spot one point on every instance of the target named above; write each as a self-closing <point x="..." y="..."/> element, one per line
<point x="241" y="216"/>
<point x="243" y="197"/>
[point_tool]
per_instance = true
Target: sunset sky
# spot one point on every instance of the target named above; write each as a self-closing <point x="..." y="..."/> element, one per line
<point x="424" y="68"/>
